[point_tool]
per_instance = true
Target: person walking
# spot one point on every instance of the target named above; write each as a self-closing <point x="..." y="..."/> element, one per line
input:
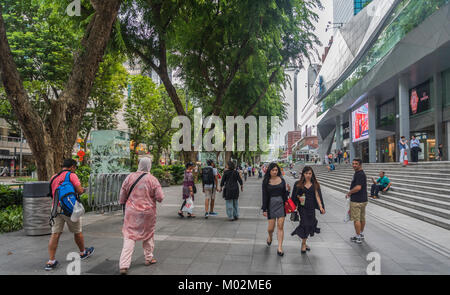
<point x="381" y="184"/>
<point x="139" y="193"/>
<point x="415" y="149"/>
<point x="339" y="157"/>
<point x="249" y="171"/>
<point x="188" y="188"/>
<point x="245" y="171"/>
<point x="307" y="197"/>
<point x="275" y="193"/>
<point x="358" y="200"/>
<point x="230" y="181"/>
<point x="209" y="183"/>
<point x="67" y="174"/>
<point x="345" y="157"/>
<point x="441" y="152"/>
<point x="403" y="146"/>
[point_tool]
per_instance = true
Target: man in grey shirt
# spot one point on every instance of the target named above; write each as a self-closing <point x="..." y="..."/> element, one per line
<point x="210" y="185"/>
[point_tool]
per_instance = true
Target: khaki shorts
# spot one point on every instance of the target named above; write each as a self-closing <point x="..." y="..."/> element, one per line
<point x="60" y="220"/>
<point x="210" y="193"/>
<point x="358" y="211"/>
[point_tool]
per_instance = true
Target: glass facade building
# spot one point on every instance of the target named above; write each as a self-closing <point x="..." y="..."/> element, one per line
<point x="359" y="5"/>
<point x="397" y="59"/>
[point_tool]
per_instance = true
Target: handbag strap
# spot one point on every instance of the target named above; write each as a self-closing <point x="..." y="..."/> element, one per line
<point x="134" y="184"/>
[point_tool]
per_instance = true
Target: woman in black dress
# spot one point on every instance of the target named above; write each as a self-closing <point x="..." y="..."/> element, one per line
<point x="275" y="194"/>
<point x="307" y="197"/>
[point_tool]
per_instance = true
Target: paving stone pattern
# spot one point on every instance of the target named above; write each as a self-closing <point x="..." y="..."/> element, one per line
<point x="216" y="246"/>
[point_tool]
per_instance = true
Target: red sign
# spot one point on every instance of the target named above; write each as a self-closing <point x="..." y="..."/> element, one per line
<point x="414" y="101"/>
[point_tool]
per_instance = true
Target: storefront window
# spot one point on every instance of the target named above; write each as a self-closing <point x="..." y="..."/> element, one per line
<point x="446" y="87"/>
<point x="386" y="113"/>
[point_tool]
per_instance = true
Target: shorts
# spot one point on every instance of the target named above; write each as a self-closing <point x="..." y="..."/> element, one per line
<point x="358" y="211"/>
<point x="60" y="220"/>
<point x="210" y="193"/>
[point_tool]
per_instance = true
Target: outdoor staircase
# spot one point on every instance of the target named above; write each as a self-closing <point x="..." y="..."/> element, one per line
<point x="419" y="190"/>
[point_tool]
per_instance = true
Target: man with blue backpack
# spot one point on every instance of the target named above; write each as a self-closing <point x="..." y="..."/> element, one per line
<point x="64" y="190"/>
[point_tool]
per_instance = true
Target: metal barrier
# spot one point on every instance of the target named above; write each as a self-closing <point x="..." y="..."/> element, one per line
<point x="104" y="191"/>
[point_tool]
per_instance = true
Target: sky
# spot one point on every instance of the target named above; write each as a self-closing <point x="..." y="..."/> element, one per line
<point x="325" y="15"/>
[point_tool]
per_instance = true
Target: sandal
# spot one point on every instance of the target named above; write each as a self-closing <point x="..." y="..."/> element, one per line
<point x="124" y="271"/>
<point x="269" y="243"/>
<point x="153" y="261"/>
<point x="180" y="214"/>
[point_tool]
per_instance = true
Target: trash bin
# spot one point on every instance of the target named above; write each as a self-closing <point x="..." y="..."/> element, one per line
<point x="37" y="208"/>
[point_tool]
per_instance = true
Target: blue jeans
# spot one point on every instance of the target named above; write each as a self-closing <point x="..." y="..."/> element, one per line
<point x="232" y="208"/>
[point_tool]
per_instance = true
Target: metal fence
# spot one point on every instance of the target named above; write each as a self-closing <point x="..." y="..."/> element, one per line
<point x="104" y="191"/>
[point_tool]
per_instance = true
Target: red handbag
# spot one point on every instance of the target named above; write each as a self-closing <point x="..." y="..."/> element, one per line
<point x="289" y="206"/>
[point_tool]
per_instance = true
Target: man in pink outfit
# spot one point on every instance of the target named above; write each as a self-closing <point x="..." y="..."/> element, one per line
<point x="140" y="192"/>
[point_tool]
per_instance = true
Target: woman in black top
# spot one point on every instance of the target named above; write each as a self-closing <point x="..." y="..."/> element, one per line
<point x="275" y="194"/>
<point x="307" y="197"/>
<point x="230" y="180"/>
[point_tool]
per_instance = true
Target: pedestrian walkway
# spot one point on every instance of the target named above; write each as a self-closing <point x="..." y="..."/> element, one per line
<point x="217" y="246"/>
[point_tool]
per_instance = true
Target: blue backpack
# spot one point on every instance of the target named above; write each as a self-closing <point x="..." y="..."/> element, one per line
<point x="66" y="195"/>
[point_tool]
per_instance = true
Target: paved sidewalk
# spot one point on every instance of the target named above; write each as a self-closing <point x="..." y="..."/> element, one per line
<point x="218" y="246"/>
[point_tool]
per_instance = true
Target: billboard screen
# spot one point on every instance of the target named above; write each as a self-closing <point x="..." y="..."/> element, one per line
<point x="360" y="123"/>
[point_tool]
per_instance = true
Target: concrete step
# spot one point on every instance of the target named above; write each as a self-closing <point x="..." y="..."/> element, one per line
<point x="397" y="187"/>
<point x="418" y="214"/>
<point x="438" y="209"/>
<point x="435" y="185"/>
<point x="431" y="173"/>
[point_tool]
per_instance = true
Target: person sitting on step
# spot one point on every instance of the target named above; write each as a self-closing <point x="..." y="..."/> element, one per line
<point x="381" y="184"/>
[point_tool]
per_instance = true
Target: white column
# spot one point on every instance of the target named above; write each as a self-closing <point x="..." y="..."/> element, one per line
<point x="403" y="101"/>
<point x="351" y="145"/>
<point x="372" y="130"/>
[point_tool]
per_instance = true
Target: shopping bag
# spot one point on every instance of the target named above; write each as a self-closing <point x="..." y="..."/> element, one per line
<point x="189" y="206"/>
<point x="78" y="211"/>
<point x="347" y="210"/>
<point x="289" y="206"/>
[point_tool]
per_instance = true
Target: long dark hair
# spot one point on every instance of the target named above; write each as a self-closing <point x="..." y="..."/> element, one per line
<point x="267" y="175"/>
<point x="301" y="182"/>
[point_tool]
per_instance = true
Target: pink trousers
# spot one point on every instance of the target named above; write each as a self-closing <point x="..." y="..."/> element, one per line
<point x="128" y="248"/>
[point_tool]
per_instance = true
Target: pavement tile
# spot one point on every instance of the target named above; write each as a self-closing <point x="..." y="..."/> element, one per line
<point x="201" y="268"/>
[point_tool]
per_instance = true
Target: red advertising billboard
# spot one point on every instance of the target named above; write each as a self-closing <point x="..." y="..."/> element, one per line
<point x="360" y="123"/>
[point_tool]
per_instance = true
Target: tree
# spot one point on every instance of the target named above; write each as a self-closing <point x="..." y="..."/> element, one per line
<point x="141" y="102"/>
<point x="106" y="98"/>
<point x="161" y="130"/>
<point x="51" y="139"/>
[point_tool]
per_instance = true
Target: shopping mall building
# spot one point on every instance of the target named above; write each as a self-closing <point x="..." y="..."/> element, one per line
<point x="387" y="75"/>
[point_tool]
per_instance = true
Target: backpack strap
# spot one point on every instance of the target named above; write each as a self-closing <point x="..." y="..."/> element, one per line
<point x="50" y="194"/>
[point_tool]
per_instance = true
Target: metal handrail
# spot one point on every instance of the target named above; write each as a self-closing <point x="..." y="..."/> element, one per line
<point x="104" y="191"/>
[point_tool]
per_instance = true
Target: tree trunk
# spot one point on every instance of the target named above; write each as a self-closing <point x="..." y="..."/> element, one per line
<point x="53" y="140"/>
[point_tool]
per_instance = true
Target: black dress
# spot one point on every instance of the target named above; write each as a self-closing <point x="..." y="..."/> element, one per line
<point x="308" y="221"/>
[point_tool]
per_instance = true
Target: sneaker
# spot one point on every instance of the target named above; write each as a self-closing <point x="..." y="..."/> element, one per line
<point x="50" y="266"/>
<point x="213" y="213"/>
<point x="356" y="239"/>
<point x="206" y="215"/>
<point x="361" y="236"/>
<point x="87" y="252"/>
